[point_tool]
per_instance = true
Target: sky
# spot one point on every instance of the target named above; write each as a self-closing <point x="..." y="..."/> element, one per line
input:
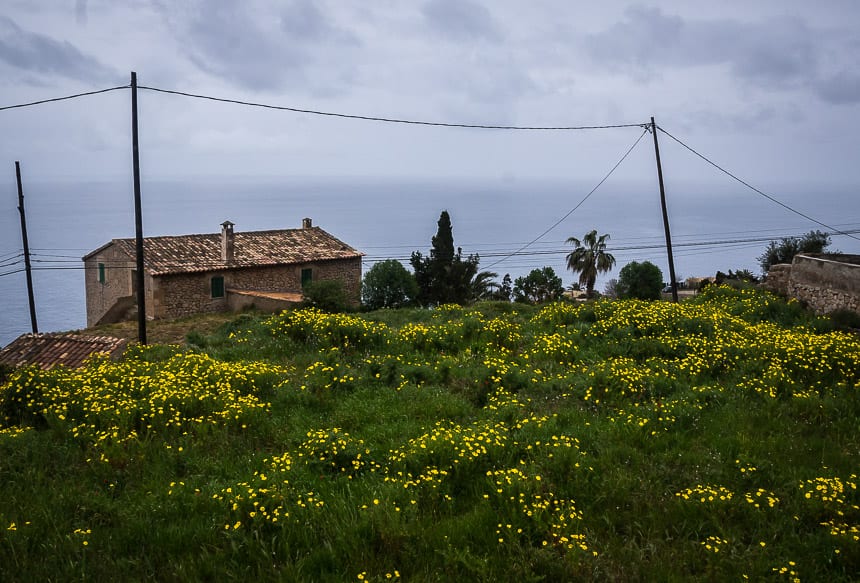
<point x="769" y="90"/>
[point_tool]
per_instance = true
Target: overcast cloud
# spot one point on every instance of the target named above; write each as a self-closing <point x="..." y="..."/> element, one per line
<point x="778" y="54"/>
<point x="735" y="77"/>
<point x="460" y="20"/>
<point x="35" y="56"/>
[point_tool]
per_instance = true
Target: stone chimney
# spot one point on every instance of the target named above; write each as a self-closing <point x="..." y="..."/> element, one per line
<point x="307" y="223"/>
<point x="227" y="243"/>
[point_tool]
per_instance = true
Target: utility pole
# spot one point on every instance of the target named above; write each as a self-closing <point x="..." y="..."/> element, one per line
<point x="27" y="267"/>
<point x="665" y="215"/>
<point x="138" y="219"/>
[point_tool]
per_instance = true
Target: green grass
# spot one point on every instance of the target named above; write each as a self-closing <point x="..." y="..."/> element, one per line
<point x="492" y="443"/>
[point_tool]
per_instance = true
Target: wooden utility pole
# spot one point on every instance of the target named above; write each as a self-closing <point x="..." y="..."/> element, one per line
<point x="665" y="215"/>
<point x="138" y="219"/>
<point x="27" y="267"/>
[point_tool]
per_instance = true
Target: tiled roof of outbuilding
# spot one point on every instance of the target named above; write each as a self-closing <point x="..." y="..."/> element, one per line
<point x="50" y="350"/>
<point x="199" y="253"/>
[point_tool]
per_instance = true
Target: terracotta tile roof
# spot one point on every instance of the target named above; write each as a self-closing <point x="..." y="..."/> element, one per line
<point x="199" y="253"/>
<point x="50" y="350"/>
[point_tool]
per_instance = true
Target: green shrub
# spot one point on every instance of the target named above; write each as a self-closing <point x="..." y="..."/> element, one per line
<point x="844" y="319"/>
<point x="5" y="371"/>
<point x="640" y="281"/>
<point x="388" y="285"/>
<point x="326" y="295"/>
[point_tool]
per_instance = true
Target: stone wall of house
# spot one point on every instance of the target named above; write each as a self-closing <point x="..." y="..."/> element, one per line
<point x="118" y="282"/>
<point x="184" y="294"/>
<point x="347" y="271"/>
<point x="190" y="293"/>
<point x="826" y="282"/>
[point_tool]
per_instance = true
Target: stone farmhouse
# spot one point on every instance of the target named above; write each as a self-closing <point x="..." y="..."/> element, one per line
<point x="229" y="271"/>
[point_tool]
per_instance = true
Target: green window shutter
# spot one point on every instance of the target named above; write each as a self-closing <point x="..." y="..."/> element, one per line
<point x="218" y="287"/>
<point x="307" y="276"/>
<point x="101" y="272"/>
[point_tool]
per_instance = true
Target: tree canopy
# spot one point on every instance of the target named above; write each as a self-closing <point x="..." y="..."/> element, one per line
<point x="505" y="291"/>
<point x="589" y="258"/>
<point x="643" y="281"/>
<point x="388" y="285"/>
<point x="540" y="285"/>
<point x="784" y="250"/>
<point x="444" y="276"/>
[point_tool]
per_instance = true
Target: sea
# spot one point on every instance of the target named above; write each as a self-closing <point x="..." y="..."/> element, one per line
<point x="513" y="224"/>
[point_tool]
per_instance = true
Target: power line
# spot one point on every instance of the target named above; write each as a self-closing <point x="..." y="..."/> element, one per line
<point x="387" y="119"/>
<point x="518" y="252"/>
<point x="776" y="233"/>
<point x="587" y="196"/>
<point x="53" y="99"/>
<point x="9" y="262"/>
<point x="689" y="245"/>
<point x="688" y="248"/>
<point x="75" y="257"/>
<point x="11" y="255"/>
<point x="754" y="189"/>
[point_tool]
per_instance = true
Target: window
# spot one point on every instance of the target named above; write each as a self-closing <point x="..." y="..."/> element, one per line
<point x="217" y="286"/>
<point x="101" y="272"/>
<point x="307" y="276"/>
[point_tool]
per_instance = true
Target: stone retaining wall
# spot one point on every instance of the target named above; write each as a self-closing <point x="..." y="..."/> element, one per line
<point x="825" y="282"/>
<point x="777" y="279"/>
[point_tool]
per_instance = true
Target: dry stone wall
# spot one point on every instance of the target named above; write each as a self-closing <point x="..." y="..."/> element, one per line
<point x="826" y="282"/>
<point x="777" y="278"/>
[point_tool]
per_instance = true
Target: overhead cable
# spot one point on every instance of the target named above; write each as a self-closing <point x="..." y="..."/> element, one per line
<point x="754" y="189"/>
<point x="570" y="212"/>
<point x="10" y="262"/>
<point x="53" y="99"/>
<point x="751" y="241"/>
<point x="11" y="255"/>
<point x="388" y="119"/>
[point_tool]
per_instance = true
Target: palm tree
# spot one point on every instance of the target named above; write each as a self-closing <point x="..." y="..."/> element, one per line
<point x="589" y="258"/>
<point x="482" y="286"/>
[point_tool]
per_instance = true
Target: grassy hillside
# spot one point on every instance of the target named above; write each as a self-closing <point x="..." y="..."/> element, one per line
<point x="716" y="439"/>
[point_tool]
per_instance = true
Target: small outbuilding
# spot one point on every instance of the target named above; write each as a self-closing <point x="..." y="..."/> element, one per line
<point x="55" y="349"/>
<point x="191" y="274"/>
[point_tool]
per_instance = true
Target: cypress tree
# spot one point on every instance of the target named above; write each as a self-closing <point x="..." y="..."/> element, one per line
<point x="444" y="276"/>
